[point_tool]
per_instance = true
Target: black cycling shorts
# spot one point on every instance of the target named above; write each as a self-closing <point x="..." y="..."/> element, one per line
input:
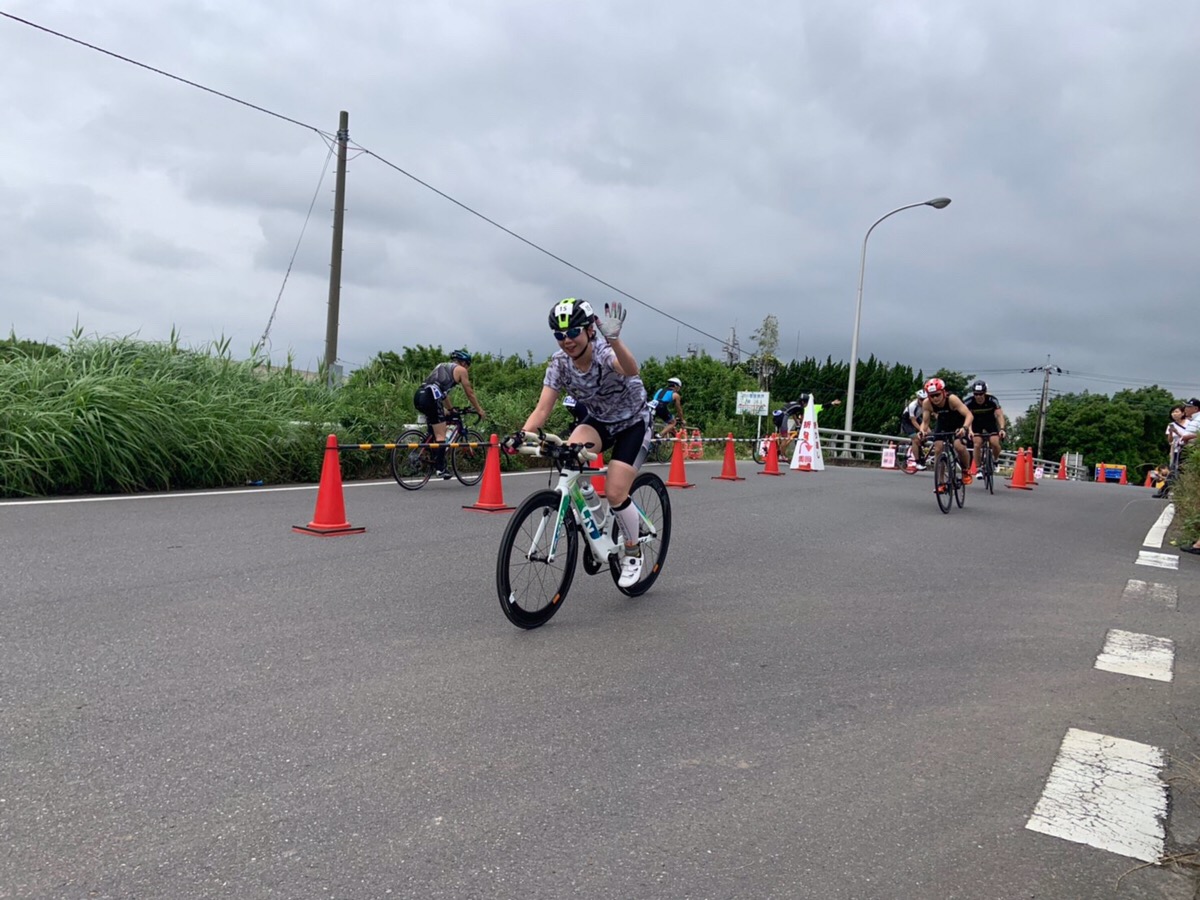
<point x="626" y="445"/>
<point x="427" y="402"/>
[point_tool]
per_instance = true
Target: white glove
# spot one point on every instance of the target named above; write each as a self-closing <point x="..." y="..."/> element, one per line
<point x="610" y="323"/>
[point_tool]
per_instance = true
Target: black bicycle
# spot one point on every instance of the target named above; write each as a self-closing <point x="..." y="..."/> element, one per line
<point x="412" y="458"/>
<point x="947" y="474"/>
<point x="661" y="448"/>
<point x="986" y="465"/>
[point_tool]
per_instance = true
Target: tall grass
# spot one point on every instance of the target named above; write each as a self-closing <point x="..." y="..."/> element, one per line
<point x="121" y="415"/>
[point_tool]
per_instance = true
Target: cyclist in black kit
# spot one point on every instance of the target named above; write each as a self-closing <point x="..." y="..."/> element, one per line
<point x="988" y="417"/>
<point x="433" y="400"/>
<point x="948" y="413"/>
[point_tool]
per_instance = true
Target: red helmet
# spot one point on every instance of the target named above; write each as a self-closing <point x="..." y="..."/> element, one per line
<point x="935" y="386"/>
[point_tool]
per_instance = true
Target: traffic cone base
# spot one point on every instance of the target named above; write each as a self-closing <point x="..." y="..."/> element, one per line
<point x="491" y="493"/>
<point x="729" y="468"/>
<point x="677" y="478"/>
<point x="329" y="517"/>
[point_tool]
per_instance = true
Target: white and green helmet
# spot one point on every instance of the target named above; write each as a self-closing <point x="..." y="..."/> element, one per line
<point x="570" y="313"/>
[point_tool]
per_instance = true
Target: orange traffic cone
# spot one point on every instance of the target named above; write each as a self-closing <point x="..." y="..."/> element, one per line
<point x="729" y="469"/>
<point x="1030" y="481"/>
<point x="677" y="478"/>
<point x="1149" y="479"/>
<point x="1123" y="480"/>
<point x="1101" y="474"/>
<point x="491" y="494"/>
<point x="598" y="481"/>
<point x="772" y="458"/>
<point x="329" y="518"/>
<point x="1062" y="469"/>
<point x="1018" y="476"/>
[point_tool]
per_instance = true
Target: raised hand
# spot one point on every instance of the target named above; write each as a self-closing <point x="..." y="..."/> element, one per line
<point x="611" y="322"/>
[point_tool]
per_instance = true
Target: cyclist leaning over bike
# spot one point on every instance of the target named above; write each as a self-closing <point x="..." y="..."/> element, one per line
<point x="791" y="417"/>
<point x="910" y="425"/>
<point x="948" y="413"/>
<point x="594" y="365"/>
<point x="988" y="417"/>
<point x="432" y="399"/>
<point x="660" y="407"/>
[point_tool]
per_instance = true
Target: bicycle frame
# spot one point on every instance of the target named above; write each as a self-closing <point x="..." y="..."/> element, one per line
<point x="571" y="502"/>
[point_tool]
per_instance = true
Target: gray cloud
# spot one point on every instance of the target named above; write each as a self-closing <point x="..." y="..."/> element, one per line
<point x="722" y="167"/>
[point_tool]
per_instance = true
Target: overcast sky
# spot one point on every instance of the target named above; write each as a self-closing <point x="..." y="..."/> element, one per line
<point x="718" y="161"/>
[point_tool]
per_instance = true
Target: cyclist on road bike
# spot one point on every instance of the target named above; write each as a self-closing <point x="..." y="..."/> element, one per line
<point x="910" y="425"/>
<point x="949" y="413"/>
<point x="432" y="399"/>
<point x="660" y="407"/>
<point x="988" y="417"/>
<point x="601" y="371"/>
<point x="791" y="417"/>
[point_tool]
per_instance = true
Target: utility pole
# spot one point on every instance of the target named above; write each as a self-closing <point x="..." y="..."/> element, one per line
<point x="1041" y="426"/>
<point x="335" y="258"/>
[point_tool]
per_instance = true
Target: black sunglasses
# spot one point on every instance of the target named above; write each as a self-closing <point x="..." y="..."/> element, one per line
<point x="571" y="333"/>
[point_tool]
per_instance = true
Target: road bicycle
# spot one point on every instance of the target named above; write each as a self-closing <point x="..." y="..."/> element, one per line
<point x="986" y="466"/>
<point x="947" y="474"/>
<point x="661" y="448"/>
<point x="540" y="546"/>
<point x="784" y="441"/>
<point x="920" y="458"/>
<point x="413" y="458"/>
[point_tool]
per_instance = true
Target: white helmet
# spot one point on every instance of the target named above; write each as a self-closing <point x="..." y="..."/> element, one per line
<point x="921" y="395"/>
<point x="675" y="381"/>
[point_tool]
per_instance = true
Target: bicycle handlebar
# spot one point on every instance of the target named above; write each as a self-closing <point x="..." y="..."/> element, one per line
<point x="551" y="446"/>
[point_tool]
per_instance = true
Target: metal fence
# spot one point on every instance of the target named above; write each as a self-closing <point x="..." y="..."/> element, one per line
<point x="860" y="445"/>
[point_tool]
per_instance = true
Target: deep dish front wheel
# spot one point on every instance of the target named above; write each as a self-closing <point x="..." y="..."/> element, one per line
<point x="654" y="516"/>
<point x="411" y="466"/>
<point x="530" y="586"/>
<point x="467" y="461"/>
<point x="942" y="473"/>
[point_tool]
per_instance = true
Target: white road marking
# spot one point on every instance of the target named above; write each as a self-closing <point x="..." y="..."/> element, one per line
<point x="1139" y="655"/>
<point x="1166" y="594"/>
<point x="1154" y="537"/>
<point x="1158" y="560"/>
<point x="1105" y="792"/>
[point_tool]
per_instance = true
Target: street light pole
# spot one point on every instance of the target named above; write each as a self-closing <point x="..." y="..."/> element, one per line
<point x="936" y="203"/>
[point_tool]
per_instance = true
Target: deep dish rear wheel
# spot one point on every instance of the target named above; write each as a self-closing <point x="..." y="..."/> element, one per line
<point x="654" y="507"/>
<point x="530" y="586"/>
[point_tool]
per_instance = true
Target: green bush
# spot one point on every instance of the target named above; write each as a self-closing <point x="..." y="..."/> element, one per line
<point x="1186" y="494"/>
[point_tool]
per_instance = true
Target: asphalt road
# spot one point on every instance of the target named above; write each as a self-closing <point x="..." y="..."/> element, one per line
<point x="833" y="691"/>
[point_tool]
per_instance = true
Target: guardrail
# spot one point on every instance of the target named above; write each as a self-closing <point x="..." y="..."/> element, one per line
<point x="861" y="445"/>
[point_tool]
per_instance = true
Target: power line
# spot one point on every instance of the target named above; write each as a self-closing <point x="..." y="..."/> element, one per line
<point x="141" y="65"/>
<point x="538" y="247"/>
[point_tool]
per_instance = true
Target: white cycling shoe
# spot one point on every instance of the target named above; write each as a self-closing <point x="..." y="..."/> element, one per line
<point x="631" y="571"/>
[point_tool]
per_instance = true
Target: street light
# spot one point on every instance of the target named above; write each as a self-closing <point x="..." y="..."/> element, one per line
<point x="936" y="203"/>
